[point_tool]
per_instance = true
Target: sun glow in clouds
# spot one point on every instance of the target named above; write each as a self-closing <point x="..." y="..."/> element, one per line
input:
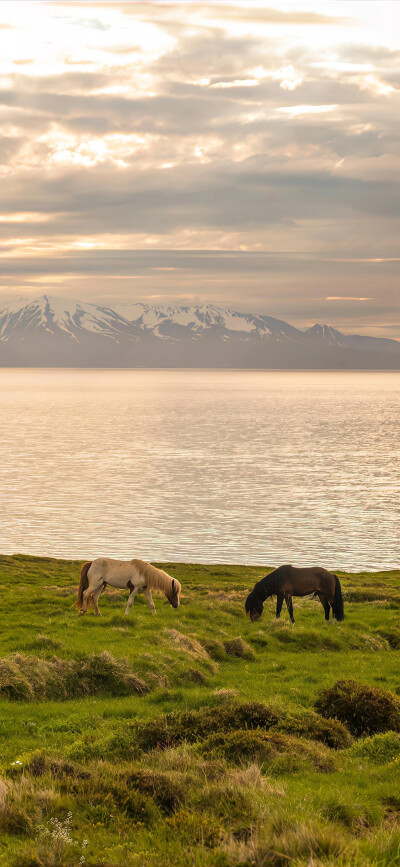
<point x="188" y="127"/>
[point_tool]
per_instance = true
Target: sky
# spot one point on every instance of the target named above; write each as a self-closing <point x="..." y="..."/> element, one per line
<point x="238" y="153"/>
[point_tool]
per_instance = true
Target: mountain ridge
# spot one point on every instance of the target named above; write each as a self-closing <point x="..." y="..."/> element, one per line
<point x="51" y="331"/>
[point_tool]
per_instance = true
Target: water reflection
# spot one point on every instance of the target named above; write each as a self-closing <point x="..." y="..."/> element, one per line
<point x="239" y="467"/>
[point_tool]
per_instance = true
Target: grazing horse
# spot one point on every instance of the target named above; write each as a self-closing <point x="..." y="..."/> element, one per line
<point x="136" y="575"/>
<point x="288" y="581"/>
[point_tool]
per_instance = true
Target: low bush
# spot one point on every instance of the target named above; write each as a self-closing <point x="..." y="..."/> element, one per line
<point x="174" y="728"/>
<point x="309" y="724"/>
<point x="264" y="748"/>
<point x="378" y="749"/>
<point x="107" y="792"/>
<point x="165" y="791"/>
<point x="366" y="710"/>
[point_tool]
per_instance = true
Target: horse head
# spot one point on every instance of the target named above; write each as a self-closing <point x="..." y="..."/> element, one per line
<point x="254" y="606"/>
<point x="173" y="594"/>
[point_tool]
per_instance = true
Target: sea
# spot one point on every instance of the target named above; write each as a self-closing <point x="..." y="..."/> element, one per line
<point x="202" y="466"/>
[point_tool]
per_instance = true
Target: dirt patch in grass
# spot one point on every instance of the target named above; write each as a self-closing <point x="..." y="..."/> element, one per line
<point x="365" y="710"/>
<point x="31" y="678"/>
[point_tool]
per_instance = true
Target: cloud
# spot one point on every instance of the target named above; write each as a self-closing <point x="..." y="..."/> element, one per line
<point x="190" y="126"/>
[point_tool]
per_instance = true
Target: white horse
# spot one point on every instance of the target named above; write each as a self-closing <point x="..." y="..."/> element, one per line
<point x="136" y="575"/>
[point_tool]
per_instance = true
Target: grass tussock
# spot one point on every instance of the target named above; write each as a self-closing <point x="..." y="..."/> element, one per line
<point x="31" y="678"/>
<point x="366" y="710"/>
<point x="238" y="648"/>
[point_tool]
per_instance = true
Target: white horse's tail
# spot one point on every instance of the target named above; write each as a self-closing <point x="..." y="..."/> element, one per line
<point x="84" y="583"/>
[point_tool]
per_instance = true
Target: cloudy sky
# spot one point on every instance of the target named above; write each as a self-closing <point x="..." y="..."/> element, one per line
<point x="244" y="153"/>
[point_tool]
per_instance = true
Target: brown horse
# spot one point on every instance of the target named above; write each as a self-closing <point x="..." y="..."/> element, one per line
<point x="288" y="581"/>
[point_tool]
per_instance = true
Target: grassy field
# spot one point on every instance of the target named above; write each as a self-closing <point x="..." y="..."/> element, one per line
<point x="192" y="737"/>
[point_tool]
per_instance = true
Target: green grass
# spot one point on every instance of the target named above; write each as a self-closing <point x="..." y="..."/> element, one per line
<point x="192" y="738"/>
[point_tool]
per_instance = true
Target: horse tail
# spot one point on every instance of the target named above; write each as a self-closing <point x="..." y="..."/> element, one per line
<point x="337" y="606"/>
<point x="84" y="583"/>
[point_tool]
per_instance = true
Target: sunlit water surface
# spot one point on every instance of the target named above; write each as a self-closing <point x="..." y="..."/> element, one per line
<point x="229" y="467"/>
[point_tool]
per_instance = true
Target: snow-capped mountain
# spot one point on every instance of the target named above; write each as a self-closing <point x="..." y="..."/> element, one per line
<point x="52" y="332"/>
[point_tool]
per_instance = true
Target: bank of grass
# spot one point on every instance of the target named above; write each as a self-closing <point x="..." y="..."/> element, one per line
<point x="195" y="737"/>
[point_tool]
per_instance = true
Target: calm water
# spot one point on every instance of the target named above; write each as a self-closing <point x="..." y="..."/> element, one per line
<point x="233" y="467"/>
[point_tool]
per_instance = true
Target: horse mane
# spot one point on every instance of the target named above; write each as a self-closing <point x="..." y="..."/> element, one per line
<point x="156" y="579"/>
<point x="270" y="584"/>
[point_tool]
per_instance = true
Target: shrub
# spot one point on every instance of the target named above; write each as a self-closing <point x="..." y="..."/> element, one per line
<point x="167" y="793"/>
<point x="136" y="805"/>
<point x="111" y="791"/>
<point x="171" y="729"/>
<point x="379" y="749"/>
<point x="312" y="725"/>
<point x="366" y="710"/>
<point x="260" y="746"/>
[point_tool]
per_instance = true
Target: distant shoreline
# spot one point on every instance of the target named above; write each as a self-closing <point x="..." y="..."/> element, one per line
<point x="206" y="369"/>
<point x="165" y="564"/>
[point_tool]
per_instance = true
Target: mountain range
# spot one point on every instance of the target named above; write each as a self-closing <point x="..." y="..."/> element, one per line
<point x="53" y="332"/>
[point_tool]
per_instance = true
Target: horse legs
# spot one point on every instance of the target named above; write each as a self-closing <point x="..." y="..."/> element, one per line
<point x="93" y="591"/>
<point x="279" y="602"/>
<point x="324" y="602"/>
<point x="132" y="595"/>
<point x="289" y="605"/>
<point x="95" y="598"/>
<point x="148" y="596"/>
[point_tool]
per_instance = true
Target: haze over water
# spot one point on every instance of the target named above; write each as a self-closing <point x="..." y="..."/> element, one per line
<point x="202" y="466"/>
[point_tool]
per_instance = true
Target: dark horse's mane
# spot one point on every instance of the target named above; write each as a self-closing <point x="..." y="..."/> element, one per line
<point x="268" y="586"/>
